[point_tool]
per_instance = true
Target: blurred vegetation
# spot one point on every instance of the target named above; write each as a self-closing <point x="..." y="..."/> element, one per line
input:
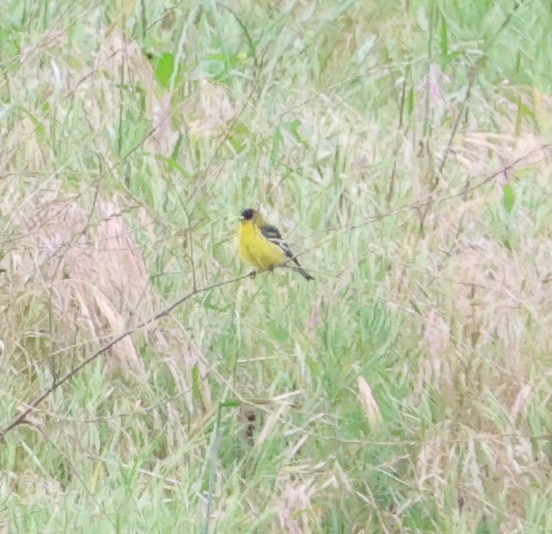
<point x="403" y="148"/>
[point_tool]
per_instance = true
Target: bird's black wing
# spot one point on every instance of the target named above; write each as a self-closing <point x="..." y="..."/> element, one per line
<point x="273" y="234"/>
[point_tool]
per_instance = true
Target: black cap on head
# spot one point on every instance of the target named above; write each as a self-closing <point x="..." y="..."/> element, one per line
<point x="248" y="214"/>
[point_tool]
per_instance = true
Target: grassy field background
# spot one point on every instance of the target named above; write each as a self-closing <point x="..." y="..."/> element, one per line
<point x="402" y="148"/>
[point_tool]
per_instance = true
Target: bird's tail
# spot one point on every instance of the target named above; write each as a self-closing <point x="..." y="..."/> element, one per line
<point x="302" y="272"/>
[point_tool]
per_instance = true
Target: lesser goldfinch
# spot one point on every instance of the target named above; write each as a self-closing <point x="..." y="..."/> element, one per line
<point x="262" y="246"/>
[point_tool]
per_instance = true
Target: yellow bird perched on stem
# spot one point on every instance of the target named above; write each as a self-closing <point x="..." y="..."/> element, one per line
<point x="262" y="246"/>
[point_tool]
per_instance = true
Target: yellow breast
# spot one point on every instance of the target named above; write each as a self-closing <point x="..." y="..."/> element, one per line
<point x="257" y="250"/>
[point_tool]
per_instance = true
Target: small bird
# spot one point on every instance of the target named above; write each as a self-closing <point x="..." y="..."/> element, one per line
<point x="262" y="246"/>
